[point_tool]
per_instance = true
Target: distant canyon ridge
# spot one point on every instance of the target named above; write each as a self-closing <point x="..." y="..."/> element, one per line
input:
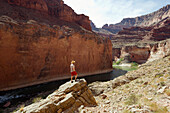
<point x="144" y="21"/>
<point x="39" y="39"/>
<point x="141" y="39"/>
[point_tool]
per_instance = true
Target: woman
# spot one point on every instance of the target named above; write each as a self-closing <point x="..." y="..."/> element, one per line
<point x="73" y="71"/>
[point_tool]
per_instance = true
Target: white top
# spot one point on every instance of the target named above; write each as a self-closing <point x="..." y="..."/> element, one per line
<point x="72" y="67"/>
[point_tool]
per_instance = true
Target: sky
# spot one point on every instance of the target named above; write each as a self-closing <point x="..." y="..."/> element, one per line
<point x="113" y="11"/>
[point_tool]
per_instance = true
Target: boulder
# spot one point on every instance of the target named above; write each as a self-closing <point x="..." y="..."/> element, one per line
<point x="67" y="99"/>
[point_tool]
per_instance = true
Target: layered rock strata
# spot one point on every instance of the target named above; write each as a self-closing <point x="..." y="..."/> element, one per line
<point x="54" y="8"/>
<point x="142" y="43"/>
<point x="67" y="99"/>
<point x="37" y="47"/>
<point x="34" y="53"/>
<point x="143" y="52"/>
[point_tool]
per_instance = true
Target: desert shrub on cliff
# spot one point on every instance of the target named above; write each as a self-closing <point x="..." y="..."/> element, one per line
<point x="134" y="64"/>
<point x="37" y="99"/>
<point x="132" y="99"/>
<point x="118" y="61"/>
<point x="157" y="109"/>
<point x="167" y="91"/>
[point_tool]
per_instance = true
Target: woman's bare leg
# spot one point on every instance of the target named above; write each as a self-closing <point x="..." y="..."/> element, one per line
<point x="71" y="78"/>
<point x="75" y="77"/>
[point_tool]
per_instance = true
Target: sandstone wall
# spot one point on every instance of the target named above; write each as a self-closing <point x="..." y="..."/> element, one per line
<point x="32" y="53"/>
<point x="145" y="52"/>
<point x="55" y="8"/>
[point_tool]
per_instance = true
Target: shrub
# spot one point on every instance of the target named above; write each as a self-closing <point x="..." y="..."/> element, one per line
<point x="158" y="75"/>
<point x="127" y="86"/>
<point x="158" y="109"/>
<point x="119" y="61"/>
<point x="134" y="64"/>
<point x="126" y="111"/>
<point x="162" y="83"/>
<point x="167" y="91"/>
<point x="153" y="106"/>
<point x="37" y="99"/>
<point x="132" y="99"/>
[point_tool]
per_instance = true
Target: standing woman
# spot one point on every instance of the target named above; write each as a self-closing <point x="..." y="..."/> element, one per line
<point x="73" y="71"/>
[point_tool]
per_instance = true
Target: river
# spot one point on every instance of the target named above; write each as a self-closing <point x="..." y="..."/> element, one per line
<point x="19" y="96"/>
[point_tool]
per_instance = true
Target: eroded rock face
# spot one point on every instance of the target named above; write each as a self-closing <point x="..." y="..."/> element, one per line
<point x="32" y="53"/>
<point x="159" y="50"/>
<point x="67" y="99"/>
<point x="141" y="42"/>
<point x="55" y="8"/>
<point x="144" y="52"/>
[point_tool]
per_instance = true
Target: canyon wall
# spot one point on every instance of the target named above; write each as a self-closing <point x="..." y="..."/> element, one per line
<point x="34" y="53"/>
<point x="143" y="52"/>
<point x="142" y="44"/>
<point x="55" y="8"/>
<point x="37" y="47"/>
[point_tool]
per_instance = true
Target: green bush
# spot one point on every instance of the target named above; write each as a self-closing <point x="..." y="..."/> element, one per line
<point x="37" y="99"/>
<point x="132" y="99"/>
<point x="119" y="61"/>
<point x="134" y="64"/>
<point x="159" y="75"/>
<point x="162" y="83"/>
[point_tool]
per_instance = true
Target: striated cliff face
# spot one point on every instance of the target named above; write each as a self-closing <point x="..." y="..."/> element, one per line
<point x="143" y="52"/>
<point x="145" y="20"/>
<point x="36" y="47"/>
<point x="55" y="8"/>
<point x="101" y="31"/>
<point x="33" y="53"/>
<point x="138" y="42"/>
<point x="160" y="31"/>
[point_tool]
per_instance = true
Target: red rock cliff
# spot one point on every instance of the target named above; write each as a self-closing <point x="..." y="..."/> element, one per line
<point x="140" y="42"/>
<point x="56" y="8"/>
<point x="36" y="47"/>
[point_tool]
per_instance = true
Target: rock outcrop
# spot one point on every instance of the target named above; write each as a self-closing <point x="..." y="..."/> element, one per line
<point x="142" y="43"/>
<point x="101" y="31"/>
<point x="145" y="20"/>
<point x="67" y="99"/>
<point x="160" y="31"/>
<point x="143" y="52"/>
<point x="37" y="47"/>
<point x="145" y="90"/>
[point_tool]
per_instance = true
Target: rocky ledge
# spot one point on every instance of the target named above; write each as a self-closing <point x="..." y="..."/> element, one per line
<point x="67" y="99"/>
<point x="146" y="90"/>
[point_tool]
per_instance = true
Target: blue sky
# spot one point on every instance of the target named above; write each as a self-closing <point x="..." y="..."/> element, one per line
<point x="113" y="11"/>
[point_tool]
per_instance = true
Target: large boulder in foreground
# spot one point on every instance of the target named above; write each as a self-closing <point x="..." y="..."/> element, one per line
<point x="67" y="99"/>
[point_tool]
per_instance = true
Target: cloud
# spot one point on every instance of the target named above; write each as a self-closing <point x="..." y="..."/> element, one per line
<point x="113" y="11"/>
